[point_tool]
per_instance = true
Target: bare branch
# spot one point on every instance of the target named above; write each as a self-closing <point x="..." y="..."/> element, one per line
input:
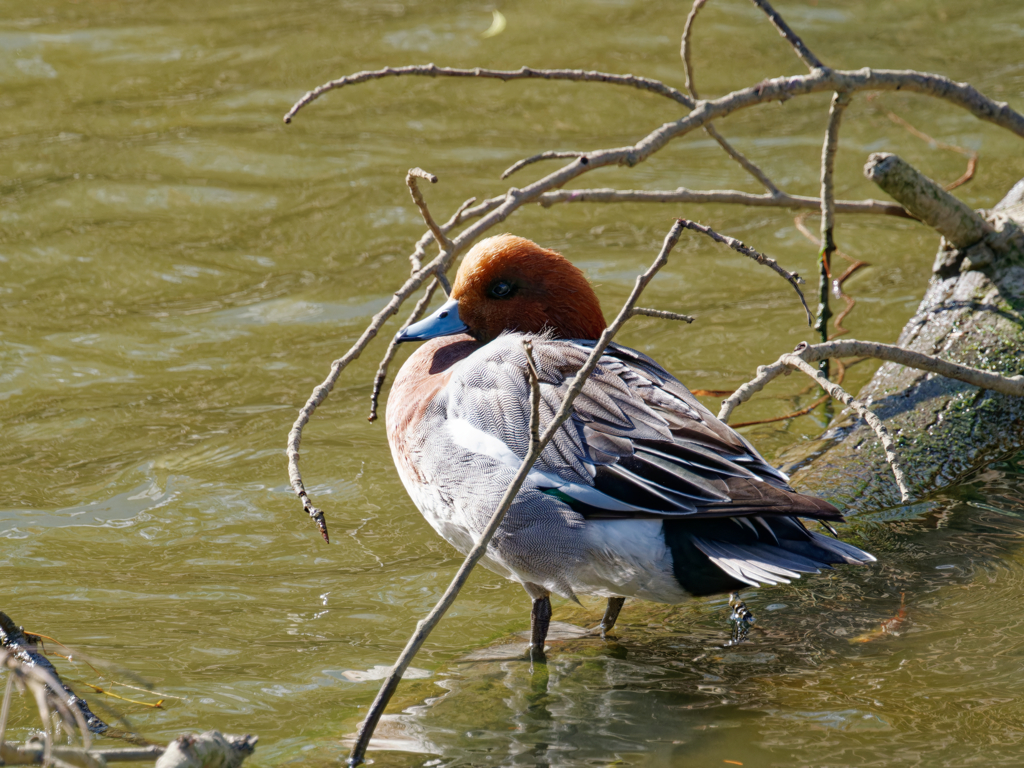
<point x="431" y="70"/>
<point x="829" y="148"/>
<point x="728" y="196"/>
<point x="828" y="161"/>
<point x="464" y="212"/>
<point x="382" y="369"/>
<point x="840" y="394"/>
<point x="494" y="211"/>
<point x="5" y="709"/>
<point x="791" y="277"/>
<point x="802" y="50"/>
<point x="536" y="447"/>
<point x="417" y="197"/>
<point x="662" y="314"/>
<point x="534" y="395"/>
<point x="437" y="268"/>
<point x="746" y="163"/>
<point x="837" y="282"/>
<point x="520" y="164"/>
<point x="684" y="46"/>
<point x="735" y="154"/>
<point x="1007" y="385"/>
<point x="320" y="393"/>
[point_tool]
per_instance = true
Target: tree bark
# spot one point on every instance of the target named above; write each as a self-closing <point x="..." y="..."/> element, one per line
<point x="972" y="313"/>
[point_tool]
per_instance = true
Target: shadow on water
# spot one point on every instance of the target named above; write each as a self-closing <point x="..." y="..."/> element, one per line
<point x="923" y="648"/>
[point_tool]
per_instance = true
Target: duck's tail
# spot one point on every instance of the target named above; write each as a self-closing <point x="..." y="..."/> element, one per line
<point x="714" y="556"/>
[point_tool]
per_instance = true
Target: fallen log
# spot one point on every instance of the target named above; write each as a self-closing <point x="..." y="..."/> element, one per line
<point x="971" y="314"/>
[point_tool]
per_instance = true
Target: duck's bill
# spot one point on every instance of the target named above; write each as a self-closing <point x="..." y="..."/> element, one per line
<point x="444" y="322"/>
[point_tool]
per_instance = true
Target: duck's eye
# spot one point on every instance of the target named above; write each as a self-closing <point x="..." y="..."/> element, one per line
<point x="501" y="290"/>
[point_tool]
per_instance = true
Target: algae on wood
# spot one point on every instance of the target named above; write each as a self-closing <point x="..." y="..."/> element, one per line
<point x="972" y="313"/>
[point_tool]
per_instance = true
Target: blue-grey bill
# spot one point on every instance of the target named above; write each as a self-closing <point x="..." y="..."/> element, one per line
<point x="444" y="322"/>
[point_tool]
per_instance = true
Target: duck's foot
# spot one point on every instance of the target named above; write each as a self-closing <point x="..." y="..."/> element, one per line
<point x="611" y="615"/>
<point x="741" y="617"/>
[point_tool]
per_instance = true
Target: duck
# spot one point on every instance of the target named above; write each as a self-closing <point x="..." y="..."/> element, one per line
<point x="642" y="493"/>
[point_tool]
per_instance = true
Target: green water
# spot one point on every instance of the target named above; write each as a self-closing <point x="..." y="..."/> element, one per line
<point x="179" y="268"/>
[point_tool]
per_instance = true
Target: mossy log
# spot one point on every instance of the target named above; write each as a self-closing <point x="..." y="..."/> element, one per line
<point x="972" y="313"/>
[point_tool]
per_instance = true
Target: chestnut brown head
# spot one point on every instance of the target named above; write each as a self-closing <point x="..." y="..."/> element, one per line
<point x="509" y="283"/>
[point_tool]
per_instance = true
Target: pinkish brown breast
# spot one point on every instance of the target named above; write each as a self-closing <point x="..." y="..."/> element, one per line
<point x="424" y="374"/>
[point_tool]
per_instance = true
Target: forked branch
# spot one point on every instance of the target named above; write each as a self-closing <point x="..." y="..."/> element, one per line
<point x="813" y="353"/>
<point x="805" y="354"/>
<point x="548" y="189"/>
<point x="840" y="394"/>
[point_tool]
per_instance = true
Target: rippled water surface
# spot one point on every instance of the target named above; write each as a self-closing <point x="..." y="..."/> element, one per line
<point x="179" y="268"/>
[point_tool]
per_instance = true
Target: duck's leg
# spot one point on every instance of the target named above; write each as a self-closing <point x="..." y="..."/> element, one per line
<point x="540" y="619"/>
<point x="741" y="617"/>
<point x="611" y="614"/>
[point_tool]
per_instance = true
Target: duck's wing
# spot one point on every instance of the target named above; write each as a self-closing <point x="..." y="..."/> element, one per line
<point x="638" y="444"/>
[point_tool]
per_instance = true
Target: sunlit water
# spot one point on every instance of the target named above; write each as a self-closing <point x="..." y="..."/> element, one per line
<point x="179" y="268"/>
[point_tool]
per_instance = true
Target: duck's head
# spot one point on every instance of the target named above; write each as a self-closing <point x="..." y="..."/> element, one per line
<point x="509" y="283"/>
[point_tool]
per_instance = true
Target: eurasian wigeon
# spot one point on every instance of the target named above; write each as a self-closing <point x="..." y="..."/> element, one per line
<point x="642" y="493"/>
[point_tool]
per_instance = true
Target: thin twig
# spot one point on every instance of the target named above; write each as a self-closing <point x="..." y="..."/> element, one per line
<point x="684" y="46"/>
<point x="520" y="164"/>
<point x="431" y="70"/>
<point x="461" y="213"/>
<point x="417" y="197"/>
<point x="320" y="393"/>
<point x="745" y="162"/>
<point x="791" y="277"/>
<point x="661" y="313"/>
<point x="829" y="148"/>
<point x="709" y="129"/>
<point x="1007" y="385"/>
<point x="382" y="369"/>
<point x="537" y="445"/>
<point x="840" y="394"/>
<point x="801" y="411"/>
<point x="728" y="196"/>
<point x="802" y="50"/>
<point x="5" y="708"/>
